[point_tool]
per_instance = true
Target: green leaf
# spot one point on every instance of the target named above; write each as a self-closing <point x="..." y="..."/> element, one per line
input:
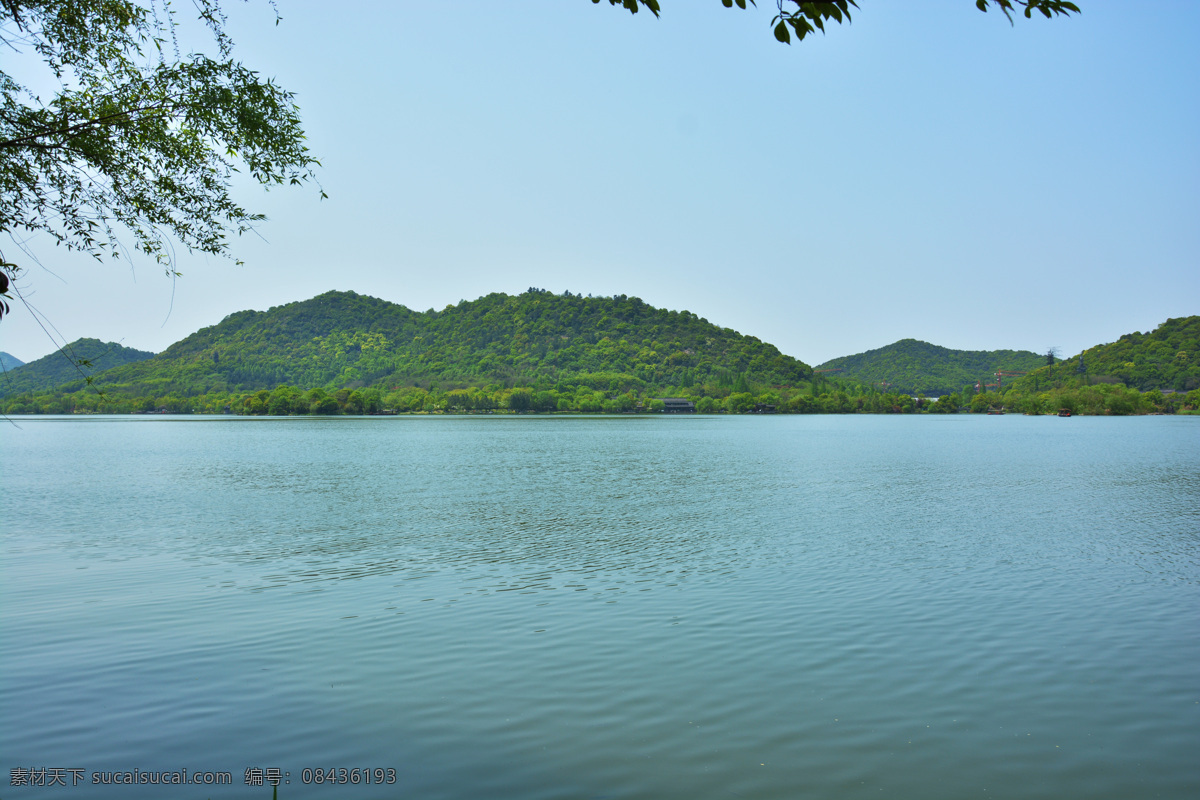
<point x="781" y="33"/>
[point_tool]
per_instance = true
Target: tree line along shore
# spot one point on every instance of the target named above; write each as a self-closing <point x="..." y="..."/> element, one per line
<point x="816" y="398"/>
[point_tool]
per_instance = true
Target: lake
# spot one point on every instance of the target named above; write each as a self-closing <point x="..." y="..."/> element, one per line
<point x="603" y="607"/>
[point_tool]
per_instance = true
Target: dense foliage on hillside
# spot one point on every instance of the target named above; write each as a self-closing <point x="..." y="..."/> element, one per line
<point x="76" y="361"/>
<point x="1166" y="358"/>
<point x="342" y="339"/>
<point x="916" y="367"/>
<point x="342" y="353"/>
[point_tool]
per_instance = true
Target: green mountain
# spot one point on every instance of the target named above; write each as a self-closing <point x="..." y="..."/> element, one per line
<point x="77" y="360"/>
<point x="8" y="362"/>
<point x="1166" y="358"/>
<point x="346" y="353"/>
<point x="913" y="366"/>
<point x="346" y="340"/>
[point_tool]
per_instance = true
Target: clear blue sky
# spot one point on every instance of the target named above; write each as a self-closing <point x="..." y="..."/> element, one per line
<point x="928" y="171"/>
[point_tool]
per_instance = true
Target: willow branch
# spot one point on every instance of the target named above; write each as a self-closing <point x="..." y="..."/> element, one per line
<point x="98" y="122"/>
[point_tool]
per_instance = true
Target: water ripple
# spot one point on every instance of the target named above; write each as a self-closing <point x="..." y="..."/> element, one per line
<point x="623" y="607"/>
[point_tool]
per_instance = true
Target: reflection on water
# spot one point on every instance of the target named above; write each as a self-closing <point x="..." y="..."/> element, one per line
<point x="623" y="607"/>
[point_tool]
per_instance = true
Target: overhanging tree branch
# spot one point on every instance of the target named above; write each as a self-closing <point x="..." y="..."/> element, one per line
<point x="99" y="122"/>
<point x="135" y="144"/>
<point x="810" y="16"/>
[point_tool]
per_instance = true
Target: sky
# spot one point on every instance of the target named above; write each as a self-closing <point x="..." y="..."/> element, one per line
<point x="927" y="171"/>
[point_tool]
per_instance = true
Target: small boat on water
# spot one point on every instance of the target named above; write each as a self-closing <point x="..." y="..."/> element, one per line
<point x="1064" y="412"/>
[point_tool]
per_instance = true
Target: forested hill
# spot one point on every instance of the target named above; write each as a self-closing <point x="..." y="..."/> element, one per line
<point x="913" y="366"/>
<point x="1166" y="358"/>
<point x="83" y="357"/>
<point x="344" y="339"/>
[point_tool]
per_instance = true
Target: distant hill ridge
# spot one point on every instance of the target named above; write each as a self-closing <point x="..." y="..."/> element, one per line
<point x="343" y="340"/>
<point x="80" y="358"/>
<point x="8" y="361"/>
<point x="347" y="339"/>
<point x="913" y="366"/>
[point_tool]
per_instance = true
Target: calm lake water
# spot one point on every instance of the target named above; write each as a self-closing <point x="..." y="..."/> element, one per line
<point x="621" y="607"/>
